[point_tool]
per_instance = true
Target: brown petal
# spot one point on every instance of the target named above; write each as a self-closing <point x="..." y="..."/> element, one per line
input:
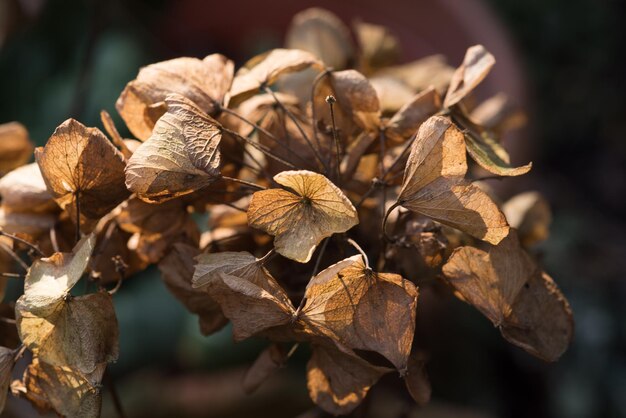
<point x="15" y="146"/>
<point x="68" y="392"/>
<point x="24" y="190"/>
<point x="266" y="68"/>
<point x="508" y="288"/>
<point x="363" y="310"/>
<point x="177" y="269"/>
<point x="300" y="220"/>
<point x="181" y="156"/>
<point x="204" y="82"/>
<point x="410" y="117"/>
<point x="80" y="332"/>
<point x="434" y="184"/>
<point x="530" y="214"/>
<point x="338" y="382"/>
<point x="416" y="379"/>
<point x="270" y="360"/>
<point x="7" y="360"/>
<point x="476" y="65"/>
<point x="250" y="307"/>
<point x="323" y="34"/>
<point x="423" y="73"/>
<point x="79" y="163"/>
<point x="379" y="48"/>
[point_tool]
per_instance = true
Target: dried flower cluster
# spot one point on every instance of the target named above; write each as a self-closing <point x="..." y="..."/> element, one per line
<point x="331" y="193"/>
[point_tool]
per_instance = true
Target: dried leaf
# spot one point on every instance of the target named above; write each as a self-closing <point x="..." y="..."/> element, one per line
<point x="421" y="74"/>
<point x="49" y="280"/>
<point x="7" y="360"/>
<point x="357" y="102"/>
<point x="299" y="220"/>
<point x="78" y="332"/>
<point x="487" y="151"/>
<point x="24" y="190"/>
<point x="70" y="393"/>
<point x="15" y="146"/>
<point x="379" y="48"/>
<point x="156" y="227"/>
<point x="109" y="126"/>
<point x="265" y="69"/>
<point x="251" y="308"/>
<point x="476" y="65"/>
<point x="363" y="310"/>
<point x="270" y="359"/>
<point x="410" y="117"/>
<point x="80" y="164"/>
<point x="204" y="82"/>
<point x="177" y="270"/>
<point x="434" y="184"/>
<point x="338" y="382"/>
<point x="416" y="379"/>
<point x="509" y="289"/>
<point x="181" y="156"/>
<point x="323" y="34"/>
<point x="392" y="93"/>
<point x="28" y="223"/>
<point x="498" y="114"/>
<point x="530" y="214"/>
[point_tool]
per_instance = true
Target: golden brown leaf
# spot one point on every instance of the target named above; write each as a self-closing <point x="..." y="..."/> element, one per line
<point x="252" y="308"/>
<point x="265" y="69"/>
<point x="78" y="332"/>
<point x="80" y="164"/>
<point x="24" y="190"/>
<point x="509" y="289"/>
<point x="270" y="359"/>
<point x="434" y="184"/>
<point x="338" y="382"/>
<point x="476" y="65"/>
<point x="530" y="214"/>
<point x="379" y="48"/>
<point x="416" y="379"/>
<point x="363" y="310"/>
<point x="204" y="82"/>
<point x="498" y="114"/>
<point x="392" y="93"/>
<point x="357" y="104"/>
<point x="299" y="219"/>
<point x="109" y="127"/>
<point x="177" y="269"/>
<point x="410" y="117"/>
<point x="421" y="74"/>
<point x="15" y="146"/>
<point x="49" y="280"/>
<point x="181" y="156"/>
<point x="323" y="34"/>
<point x="156" y="227"/>
<point x="7" y="360"/>
<point x="28" y="223"/>
<point x="69" y="393"/>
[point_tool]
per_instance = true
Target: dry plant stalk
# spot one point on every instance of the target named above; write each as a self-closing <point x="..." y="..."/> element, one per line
<point x="332" y="192"/>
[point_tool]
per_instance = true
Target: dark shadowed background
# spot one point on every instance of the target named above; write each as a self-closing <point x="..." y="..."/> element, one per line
<point x="562" y="61"/>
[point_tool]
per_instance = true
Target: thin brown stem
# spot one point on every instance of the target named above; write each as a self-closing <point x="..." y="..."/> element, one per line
<point x="10" y="321"/>
<point x="266" y="257"/>
<point x="395" y="162"/>
<point x="12" y="275"/>
<point x="384" y="225"/>
<point x="77" y="199"/>
<point x="53" y="238"/>
<point x="360" y="250"/>
<point x="14" y="256"/>
<point x="23" y="241"/>
<point x="331" y="101"/>
<point x="19" y="352"/>
<point x="292" y="350"/>
<point x="299" y="126"/>
<point x="261" y="148"/>
<point x="246" y="183"/>
<point x="317" y="80"/>
<point x="266" y="133"/>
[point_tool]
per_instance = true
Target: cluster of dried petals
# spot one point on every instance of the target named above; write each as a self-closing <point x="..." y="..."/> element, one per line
<point x="335" y="180"/>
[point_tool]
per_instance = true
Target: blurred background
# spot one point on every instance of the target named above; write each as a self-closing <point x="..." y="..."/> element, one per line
<point x="561" y="61"/>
